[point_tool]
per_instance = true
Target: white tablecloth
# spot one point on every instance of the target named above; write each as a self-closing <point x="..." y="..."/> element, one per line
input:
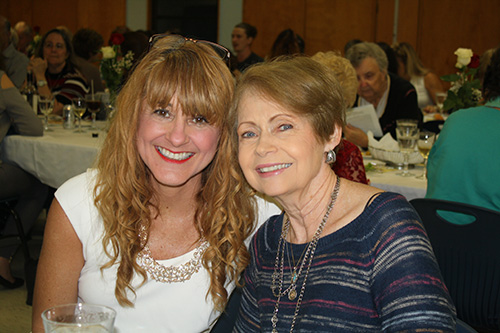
<point x="56" y="156"/>
<point x="387" y="179"/>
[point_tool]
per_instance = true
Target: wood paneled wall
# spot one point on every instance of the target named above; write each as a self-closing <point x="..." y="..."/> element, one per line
<point x="436" y="28"/>
<point x="102" y="16"/>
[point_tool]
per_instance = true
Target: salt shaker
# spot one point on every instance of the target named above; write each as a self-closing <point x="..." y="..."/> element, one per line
<point x="68" y="117"/>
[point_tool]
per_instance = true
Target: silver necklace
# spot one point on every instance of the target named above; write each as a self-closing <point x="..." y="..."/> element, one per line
<point x="169" y="274"/>
<point x="308" y="257"/>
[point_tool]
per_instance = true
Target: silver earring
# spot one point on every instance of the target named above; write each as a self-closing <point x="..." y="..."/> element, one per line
<point x="331" y="157"/>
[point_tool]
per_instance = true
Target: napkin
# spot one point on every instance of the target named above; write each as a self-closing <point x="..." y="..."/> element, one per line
<point x="385" y="143"/>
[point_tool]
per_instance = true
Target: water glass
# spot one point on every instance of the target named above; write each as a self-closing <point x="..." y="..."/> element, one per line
<point x="407" y="135"/>
<point x="79" y="317"/>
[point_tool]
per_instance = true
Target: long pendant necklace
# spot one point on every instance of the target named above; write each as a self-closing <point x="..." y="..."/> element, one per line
<point x="308" y="257"/>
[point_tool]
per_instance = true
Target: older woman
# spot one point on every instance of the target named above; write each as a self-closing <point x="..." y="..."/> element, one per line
<point x="54" y="70"/>
<point x="343" y="256"/>
<point x="392" y="97"/>
<point x="157" y="231"/>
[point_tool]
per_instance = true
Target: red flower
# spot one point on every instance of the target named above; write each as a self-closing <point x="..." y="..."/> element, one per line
<point x="116" y="39"/>
<point x="474" y="61"/>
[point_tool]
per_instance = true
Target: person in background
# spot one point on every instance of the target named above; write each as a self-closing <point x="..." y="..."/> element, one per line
<point x="350" y="43"/>
<point x="349" y="162"/>
<point x="393" y="66"/>
<point x="242" y="38"/>
<point x="343" y="256"/>
<point x="462" y="164"/>
<point x="25" y="36"/>
<point x="17" y="117"/>
<point x="87" y="45"/>
<point x="484" y="62"/>
<point x="157" y="230"/>
<point x="15" y="62"/>
<point x="55" y="72"/>
<point x="392" y="97"/>
<point x="286" y="43"/>
<point x="412" y="69"/>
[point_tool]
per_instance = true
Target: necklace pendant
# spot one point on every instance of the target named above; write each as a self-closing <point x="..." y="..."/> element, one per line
<point x="294" y="277"/>
<point x="292" y="294"/>
<point x="274" y="320"/>
<point x="275" y="330"/>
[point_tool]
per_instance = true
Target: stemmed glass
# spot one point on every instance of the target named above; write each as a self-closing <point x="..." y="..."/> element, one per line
<point x="79" y="107"/>
<point x="94" y="106"/>
<point x="407" y="134"/>
<point x="425" y="141"/>
<point x="46" y="105"/>
<point x="440" y="98"/>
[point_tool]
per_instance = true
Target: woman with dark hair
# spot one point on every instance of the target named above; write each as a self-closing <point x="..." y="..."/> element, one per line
<point x="54" y="70"/>
<point x="465" y="159"/>
<point x="287" y="43"/>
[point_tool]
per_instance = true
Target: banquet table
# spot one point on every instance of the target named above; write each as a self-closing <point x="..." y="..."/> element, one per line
<point x="56" y="156"/>
<point x="385" y="177"/>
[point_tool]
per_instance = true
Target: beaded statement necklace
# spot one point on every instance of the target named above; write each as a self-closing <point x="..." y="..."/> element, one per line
<point x="278" y="274"/>
<point x="169" y="274"/>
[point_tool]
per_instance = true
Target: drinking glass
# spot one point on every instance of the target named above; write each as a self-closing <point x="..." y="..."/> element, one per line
<point x="424" y="144"/>
<point x="46" y="105"/>
<point x="94" y="105"/>
<point x="440" y="98"/>
<point x="79" y="317"/>
<point x="79" y="107"/>
<point x="407" y="134"/>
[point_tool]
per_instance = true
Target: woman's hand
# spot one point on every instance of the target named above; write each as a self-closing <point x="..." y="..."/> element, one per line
<point x="38" y="66"/>
<point x="356" y="136"/>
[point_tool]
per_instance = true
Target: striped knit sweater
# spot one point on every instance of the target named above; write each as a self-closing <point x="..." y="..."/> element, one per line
<point x="376" y="274"/>
<point x="67" y="85"/>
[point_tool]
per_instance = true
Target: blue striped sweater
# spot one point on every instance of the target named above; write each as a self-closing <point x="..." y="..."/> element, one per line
<point x="378" y="273"/>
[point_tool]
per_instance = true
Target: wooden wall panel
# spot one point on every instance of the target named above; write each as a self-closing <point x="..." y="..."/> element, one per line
<point x="272" y="17"/>
<point x="446" y="25"/>
<point x="330" y="24"/>
<point x="48" y="14"/>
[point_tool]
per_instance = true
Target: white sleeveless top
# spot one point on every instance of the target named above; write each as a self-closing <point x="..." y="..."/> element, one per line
<point x="423" y="96"/>
<point x="158" y="307"/>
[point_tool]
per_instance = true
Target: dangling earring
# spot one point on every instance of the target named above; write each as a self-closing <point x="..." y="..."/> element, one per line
<point x="331" y="157"/>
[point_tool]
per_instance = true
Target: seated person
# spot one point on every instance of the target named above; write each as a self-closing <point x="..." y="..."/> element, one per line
<point x="349" y="163"/>
<point x="16" y="115"/>
<point x="392" y="97"/>
<point x="412" y="69"/>
<point x="462" y="164"/>
<point x="87" y="44"/>
<point x="55" y="71"/>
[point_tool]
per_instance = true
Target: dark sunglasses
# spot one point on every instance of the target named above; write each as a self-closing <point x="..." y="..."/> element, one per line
<point x="219" y="49"/>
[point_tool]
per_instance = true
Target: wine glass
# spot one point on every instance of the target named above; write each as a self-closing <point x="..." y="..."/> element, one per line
<point x="46" y="105"/>
<point x="407" y="134"/>
<point x="79" y="107"/>
<point x="424" y="144"/>
<point x="440" y="98"/>
<point x="94" y="105"/>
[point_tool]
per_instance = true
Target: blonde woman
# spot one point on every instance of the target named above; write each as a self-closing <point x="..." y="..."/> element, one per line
<point x="157" y="231"/>
<point x="412" y="69"/>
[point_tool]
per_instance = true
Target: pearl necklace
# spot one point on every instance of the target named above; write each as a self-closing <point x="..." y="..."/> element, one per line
<point x="169" y="274"/>
<point x="308" y="257"/>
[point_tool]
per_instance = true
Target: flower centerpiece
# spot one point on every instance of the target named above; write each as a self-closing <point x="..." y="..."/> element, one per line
<point x="35" y="43"/>
<point x="465" y="90"/>
<point x="114" y="64"/>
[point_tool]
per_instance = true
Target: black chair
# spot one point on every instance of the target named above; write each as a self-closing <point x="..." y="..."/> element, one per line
<point x="469" y="259"/>
<point x="6" y="210"/>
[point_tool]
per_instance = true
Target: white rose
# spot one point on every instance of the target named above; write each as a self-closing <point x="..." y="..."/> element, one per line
<point x="463" y="57"/>
<point x="108" y="52"/>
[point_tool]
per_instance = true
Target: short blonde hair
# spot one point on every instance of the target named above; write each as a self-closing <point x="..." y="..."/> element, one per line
<point x="345" y="73"/>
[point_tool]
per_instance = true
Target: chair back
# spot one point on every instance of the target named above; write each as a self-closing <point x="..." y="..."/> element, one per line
<point x="468" y="257"/>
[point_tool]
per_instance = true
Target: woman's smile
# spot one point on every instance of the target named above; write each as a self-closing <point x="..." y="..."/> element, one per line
<point x="171" y="156"/>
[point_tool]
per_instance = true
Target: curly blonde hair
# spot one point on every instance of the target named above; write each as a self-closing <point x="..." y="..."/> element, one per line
<point x="204" y="86"/>
<point x="344" y="72"/>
